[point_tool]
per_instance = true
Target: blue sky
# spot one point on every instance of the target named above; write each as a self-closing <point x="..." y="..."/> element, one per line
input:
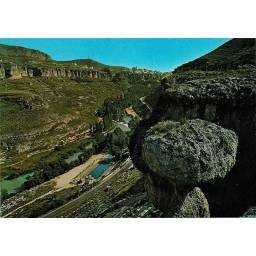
<point x="157" y="54"/>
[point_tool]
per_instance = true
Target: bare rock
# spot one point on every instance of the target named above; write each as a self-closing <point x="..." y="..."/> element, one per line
<point x="194" y="205"/>
<point x="190" y="153"/>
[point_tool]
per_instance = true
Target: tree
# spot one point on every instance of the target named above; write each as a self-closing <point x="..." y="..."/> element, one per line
<point x="117" y="141"/>
<point x="4" y="194"/>
<point x="118" y="137"/>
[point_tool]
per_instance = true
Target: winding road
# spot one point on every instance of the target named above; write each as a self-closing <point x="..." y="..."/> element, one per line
<point x="142" y="100"/>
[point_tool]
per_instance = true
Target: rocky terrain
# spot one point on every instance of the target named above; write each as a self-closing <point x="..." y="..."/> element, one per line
<point x="18" y="62"/>
<point x="55" y="115"/>
<point x="47" y="103"/>
<point x="192" y="146"/>
<point x="174" y="148"/>
<point x="183" y="156"/>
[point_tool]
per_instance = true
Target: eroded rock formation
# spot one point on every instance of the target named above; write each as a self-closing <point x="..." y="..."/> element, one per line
<point x="180" y="156"/>
<point x="2" y="72"/>
<point x="15" y="71"/>
<point x="190" y="153"/>
<point x="224" y="96"/>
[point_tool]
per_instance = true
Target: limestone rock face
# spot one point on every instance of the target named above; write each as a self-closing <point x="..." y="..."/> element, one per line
<point x="14" y="71"/>
<point x="176" y="202"/>
<point x="162" y="194"/>
<point x="221" y="88"/>
<point x="194" y="205"/>
<point x="189" y="153"/>
<point x="17" y="72"/>
<point x="2" y="72"/>
<point x="227" y="99"/>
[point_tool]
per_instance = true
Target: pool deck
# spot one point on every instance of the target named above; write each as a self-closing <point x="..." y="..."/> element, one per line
<point x="79" y="172"/>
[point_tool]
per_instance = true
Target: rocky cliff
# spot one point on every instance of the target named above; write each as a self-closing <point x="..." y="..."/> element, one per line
<point x="14" y="71"/>
<point x="224" y="94"/>
<point x="45" y="103"/>
<point x="19" y="62"/>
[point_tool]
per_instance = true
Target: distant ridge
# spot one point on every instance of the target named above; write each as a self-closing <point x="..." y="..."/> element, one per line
<point x="19" y="52"/>
<point x="239" y="51"/>
<point x="26" y="56"/>
<point x="90" y="62"/>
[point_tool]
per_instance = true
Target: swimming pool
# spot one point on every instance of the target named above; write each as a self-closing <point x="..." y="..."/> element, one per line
<point x="99" y="170"/>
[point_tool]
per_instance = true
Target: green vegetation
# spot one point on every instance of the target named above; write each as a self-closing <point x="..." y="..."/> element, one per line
<point x="52" y="123"/>
<point x="3" y="194"/>
<point x="38" y="114"/>
<point x="33" y="58"/>
<point x="116" y="142"/>
<point x="234" y="53"/>
<point x="113" y="108"/>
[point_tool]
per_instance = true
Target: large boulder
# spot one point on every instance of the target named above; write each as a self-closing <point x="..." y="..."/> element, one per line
<point x="189" y="153"/>
<point x="182" y="155"/>
<point x="176" y="202"/>
<point x="194" y="205"/>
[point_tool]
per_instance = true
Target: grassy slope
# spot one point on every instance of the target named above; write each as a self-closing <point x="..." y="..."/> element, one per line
<point x="39" y="113"/>
<point x="229" y="55"/>
<point x="34" y="58"/>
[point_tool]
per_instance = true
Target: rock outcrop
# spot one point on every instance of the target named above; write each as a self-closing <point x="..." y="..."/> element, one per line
<point x="225" y="96"/>
<point x="229" y="100"/>
<point x="18" y="62"/>
<point x="191" y="153"/>
<point x="180" y="156"/>
<point x="2" y="72"/>
<point x="174" y="201"/>
<point x="15" y="71"/>
<point x="194" y="205"/>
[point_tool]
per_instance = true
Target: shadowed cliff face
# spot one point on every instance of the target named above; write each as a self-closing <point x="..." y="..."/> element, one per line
<point x="226" y="98"/>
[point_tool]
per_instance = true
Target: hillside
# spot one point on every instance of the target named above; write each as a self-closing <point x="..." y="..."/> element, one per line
<point x="213" y="96"/>
<point x="21" y="53"/>
<point x="230" y="55"/>
<point x="46" y="103"/>
<point x="190" y="134"/>
<point x="23" y="62"/>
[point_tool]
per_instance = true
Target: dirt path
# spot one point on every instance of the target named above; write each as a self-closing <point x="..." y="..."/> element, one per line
<point x="142" y="99"/>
